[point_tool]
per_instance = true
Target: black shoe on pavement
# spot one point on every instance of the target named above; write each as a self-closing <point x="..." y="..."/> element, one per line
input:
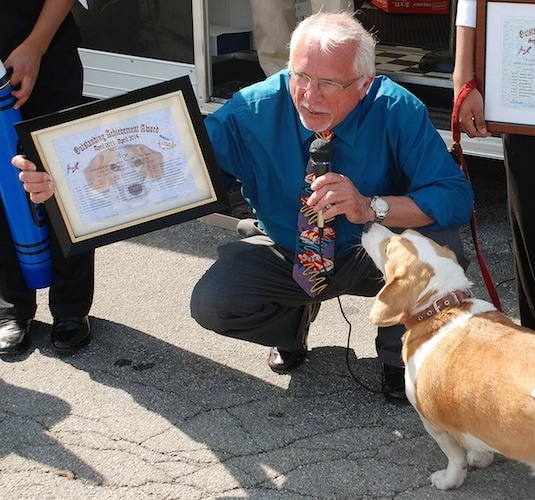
<point x="70" y="334"/>
<point x="393" y="384"/>
<point x="282" y="362"/>
<point x="14" y="336"/>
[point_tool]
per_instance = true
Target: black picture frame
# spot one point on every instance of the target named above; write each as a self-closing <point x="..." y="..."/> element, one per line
<point x="126" y="165"/>
<point x="501" y="75"/>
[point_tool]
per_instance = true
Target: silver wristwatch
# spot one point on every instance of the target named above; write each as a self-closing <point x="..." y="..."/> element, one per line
<point x="380" y="207"/>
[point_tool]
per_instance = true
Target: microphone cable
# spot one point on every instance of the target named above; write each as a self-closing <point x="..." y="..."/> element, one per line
<point x="331" y="281"/>
<point x="320" y="154"/>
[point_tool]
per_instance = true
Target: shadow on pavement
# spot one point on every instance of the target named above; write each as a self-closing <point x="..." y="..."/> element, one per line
<point x="25" y="431"/>
<point x="255" y="430"/>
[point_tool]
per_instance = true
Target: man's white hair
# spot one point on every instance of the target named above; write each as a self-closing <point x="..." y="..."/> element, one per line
<point x="336" y="29"/>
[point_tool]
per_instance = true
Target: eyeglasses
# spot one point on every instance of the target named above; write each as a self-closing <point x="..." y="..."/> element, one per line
<point x="325" y="87"/>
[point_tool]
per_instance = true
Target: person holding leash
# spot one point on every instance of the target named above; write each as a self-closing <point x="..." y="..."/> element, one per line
<point x="519" y="151"/>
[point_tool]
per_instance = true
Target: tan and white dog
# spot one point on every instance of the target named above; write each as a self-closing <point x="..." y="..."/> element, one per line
<point x="469" y="370"/>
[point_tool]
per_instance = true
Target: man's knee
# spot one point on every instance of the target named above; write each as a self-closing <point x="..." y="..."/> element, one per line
<point x="205" y="305"/>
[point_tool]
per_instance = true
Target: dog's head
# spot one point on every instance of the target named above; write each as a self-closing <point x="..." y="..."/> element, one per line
<point x="124" y="170"/>
<point x="416" y="271"/>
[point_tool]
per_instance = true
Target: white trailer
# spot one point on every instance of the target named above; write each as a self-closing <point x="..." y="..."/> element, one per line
<point x="129" y="44"/>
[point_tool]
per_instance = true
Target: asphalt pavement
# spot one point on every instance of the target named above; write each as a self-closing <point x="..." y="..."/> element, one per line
<point x="158" y="408"/>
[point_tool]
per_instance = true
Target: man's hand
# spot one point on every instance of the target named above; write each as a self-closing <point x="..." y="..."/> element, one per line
<point x="38" y="184"/>
<point x="335" y="194"/>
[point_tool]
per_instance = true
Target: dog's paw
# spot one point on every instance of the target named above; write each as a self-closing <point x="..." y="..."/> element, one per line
<point x="479" y="459"/>
<point x="447" y="480"/>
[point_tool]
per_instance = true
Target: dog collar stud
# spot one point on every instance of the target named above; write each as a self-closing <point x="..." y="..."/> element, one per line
<point x="455" y="298"/>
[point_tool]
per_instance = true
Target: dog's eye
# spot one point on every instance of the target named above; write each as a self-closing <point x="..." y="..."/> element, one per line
<point x="114" y="167"/>
<point x="138" y="162"/>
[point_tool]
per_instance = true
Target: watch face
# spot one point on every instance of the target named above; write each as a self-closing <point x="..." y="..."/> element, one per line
<point x="380" y="205"/>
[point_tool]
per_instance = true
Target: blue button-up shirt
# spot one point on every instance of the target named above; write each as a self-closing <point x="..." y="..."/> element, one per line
<point x="387" y="146"/>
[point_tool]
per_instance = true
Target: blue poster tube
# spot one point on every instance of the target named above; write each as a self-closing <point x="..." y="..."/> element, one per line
<point x="26" y="220"/>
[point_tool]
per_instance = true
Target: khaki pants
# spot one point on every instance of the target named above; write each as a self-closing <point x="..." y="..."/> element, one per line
<point x="273" y="23"/>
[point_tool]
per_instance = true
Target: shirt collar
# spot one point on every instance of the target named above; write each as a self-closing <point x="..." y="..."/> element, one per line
<point x="348" y="129"/>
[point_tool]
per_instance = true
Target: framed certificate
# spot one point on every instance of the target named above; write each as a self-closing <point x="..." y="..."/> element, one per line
<point x="505" y="64"/>
<point x="126" y="165"/>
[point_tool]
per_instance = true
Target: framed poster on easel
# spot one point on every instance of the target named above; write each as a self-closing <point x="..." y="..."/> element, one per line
<point x="505" y="64"/>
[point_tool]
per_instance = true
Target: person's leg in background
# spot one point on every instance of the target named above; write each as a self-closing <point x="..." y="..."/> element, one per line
<point x="333" y="5"/>
<point x="519" y="152"/>
<point x="17" y="301"/>
<point x="71" y="294"/>
<point x="273" y="23"/>
<point x="59" y="86"/>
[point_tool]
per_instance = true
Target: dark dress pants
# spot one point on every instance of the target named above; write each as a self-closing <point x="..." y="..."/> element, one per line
<point x="59" y="86"/>
<point x="249" y="293"/>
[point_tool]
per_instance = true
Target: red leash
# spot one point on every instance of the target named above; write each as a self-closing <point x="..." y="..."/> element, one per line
<point x="458" y="152"/>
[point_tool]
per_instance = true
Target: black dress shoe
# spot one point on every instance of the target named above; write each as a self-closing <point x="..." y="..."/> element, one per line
<point x="393" y="382"/>
<point x="70" y="334"/>
<point x="282" y="362"/>
<point x="14" y="336"/>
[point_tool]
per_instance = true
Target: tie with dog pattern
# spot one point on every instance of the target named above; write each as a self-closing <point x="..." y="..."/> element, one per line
<point x="314" y="252"/>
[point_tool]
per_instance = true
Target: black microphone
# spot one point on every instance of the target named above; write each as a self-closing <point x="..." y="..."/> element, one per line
<point x="320" y="155"/>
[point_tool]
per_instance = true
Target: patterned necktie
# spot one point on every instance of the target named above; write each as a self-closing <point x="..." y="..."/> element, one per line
<point x="314" y="252"/>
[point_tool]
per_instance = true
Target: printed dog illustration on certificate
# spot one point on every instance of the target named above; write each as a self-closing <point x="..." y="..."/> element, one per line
<point x="125" y="173"/>
<point x="469" y="370"/>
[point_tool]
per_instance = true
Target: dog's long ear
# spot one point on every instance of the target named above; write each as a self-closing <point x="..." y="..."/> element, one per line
<point x="405" y="278"/>
<point x="96" y="174"/>
<point x="153" y="160"/>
